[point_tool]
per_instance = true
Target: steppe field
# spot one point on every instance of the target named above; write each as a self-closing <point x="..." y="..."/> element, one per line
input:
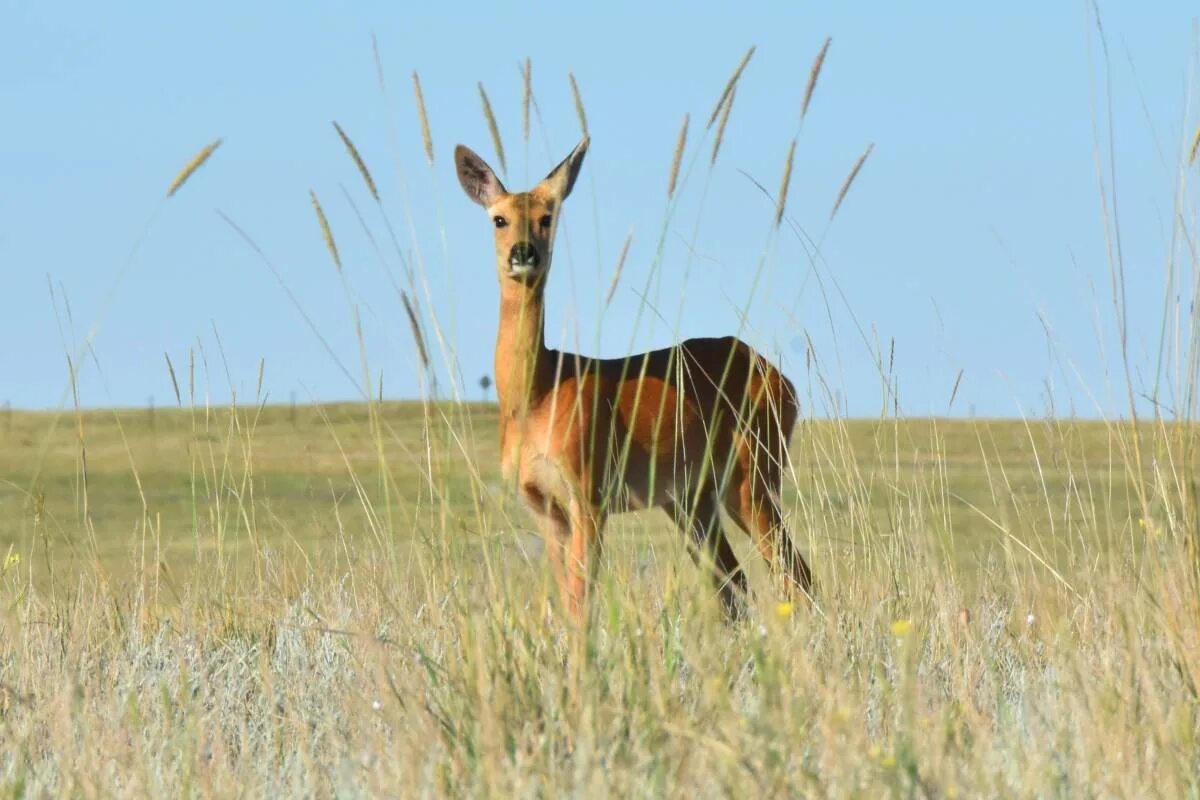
<point x="346" y="599"/>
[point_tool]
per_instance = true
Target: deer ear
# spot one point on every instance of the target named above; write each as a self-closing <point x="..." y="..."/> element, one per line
<point x="561" y="179"/>
<point x="476" y="177"/>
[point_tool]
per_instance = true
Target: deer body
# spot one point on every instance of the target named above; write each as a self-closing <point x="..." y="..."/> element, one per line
<point x="691" y="429"/>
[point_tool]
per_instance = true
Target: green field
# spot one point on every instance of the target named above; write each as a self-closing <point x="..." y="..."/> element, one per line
<point x="345" y="599"/>
<point x="187" y="488"/>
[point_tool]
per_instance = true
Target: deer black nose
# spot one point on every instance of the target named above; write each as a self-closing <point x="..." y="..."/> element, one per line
<point x="523" y="254"/>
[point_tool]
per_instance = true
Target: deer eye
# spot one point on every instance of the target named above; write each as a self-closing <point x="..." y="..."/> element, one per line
<point x="500" y="221"/>
<point x="545" y="221"/>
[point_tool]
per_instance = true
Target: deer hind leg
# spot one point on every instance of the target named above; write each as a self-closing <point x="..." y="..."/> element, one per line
<point x="710" y="548"/>
<point x="752" y="499"/>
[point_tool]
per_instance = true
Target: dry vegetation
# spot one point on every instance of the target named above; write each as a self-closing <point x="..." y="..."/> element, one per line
<point x="244" y="601"/>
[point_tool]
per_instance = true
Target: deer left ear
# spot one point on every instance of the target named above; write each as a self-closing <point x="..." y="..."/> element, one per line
<point x="561" y="179"/>
<point x="476" y="177"/>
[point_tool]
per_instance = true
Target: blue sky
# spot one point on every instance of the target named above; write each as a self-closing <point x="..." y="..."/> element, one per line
<point x="973" y="237"/>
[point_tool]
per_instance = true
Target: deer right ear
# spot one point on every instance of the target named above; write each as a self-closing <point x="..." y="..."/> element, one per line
<point x="476" y="177"/>
<point x="561" y="179"/>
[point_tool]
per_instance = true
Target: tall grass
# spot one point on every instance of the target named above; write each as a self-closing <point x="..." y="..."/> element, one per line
<point x="431" y="659"/>
<point x="352" y="603"/>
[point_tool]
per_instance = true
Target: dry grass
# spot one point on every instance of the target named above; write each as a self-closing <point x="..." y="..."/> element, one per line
<point x="616" y="278"/>
<point x="415" y="327"/>
<point x="578" y="98"/>
<point x="326" y="232"/>
<point x="813" y="74"/>
<point x="358" y="162"/>
<point x="426" y="136"/>
<point x="784" y="182"/>
<point x="677" y="159"/>
<point x="493" y="129"/>
<point x="730" y="85"/>
<point x="846" y="184"/>
<point x="358" y="659"/>
<point x="526" y="96"/>
<point x="720" y="137"/>
<point x="190" y="168"/>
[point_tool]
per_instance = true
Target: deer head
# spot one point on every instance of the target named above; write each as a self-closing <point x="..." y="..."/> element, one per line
<point x="524" y="222"/>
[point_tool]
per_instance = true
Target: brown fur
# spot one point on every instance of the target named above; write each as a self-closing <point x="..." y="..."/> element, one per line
<point x="691" y="429"/>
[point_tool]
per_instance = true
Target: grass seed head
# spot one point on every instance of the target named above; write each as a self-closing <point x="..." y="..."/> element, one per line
<point x="727" y="92"/>
<point x="612" y="286"/>
<point x="781" y="201"/>
<point x="190" y="168"/>
<point x="841" y="195"/>
<point x="358" y="161"/>
<point x="526" y="94"/>
<point x="326" y="233"/>
<point x="416" y="329"/>
<point x="680" y="143"/>
<point x="493" y="129"/>
<point x="721" y="127"/>
<point x="813" y="74"/>
<point x="583" y="126"/>
<point x="426" y="137"/>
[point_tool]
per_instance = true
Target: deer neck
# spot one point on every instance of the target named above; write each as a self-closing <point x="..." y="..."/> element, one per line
<point x="522" y="360"/>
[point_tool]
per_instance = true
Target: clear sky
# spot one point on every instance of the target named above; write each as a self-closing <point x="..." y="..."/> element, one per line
<point x="973" y="237"/>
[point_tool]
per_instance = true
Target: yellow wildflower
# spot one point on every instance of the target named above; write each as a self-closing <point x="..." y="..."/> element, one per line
<point x="900" y="628"/>
<point x="784" y="610"/>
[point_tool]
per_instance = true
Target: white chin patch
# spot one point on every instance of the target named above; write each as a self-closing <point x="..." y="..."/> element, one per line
<point x="522" y="270"/>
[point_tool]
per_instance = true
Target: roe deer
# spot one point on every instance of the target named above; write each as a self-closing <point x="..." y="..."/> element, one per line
<point x="688" y="429"/>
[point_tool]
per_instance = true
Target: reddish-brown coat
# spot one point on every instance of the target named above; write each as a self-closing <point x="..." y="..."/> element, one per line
<point x="690" y="428"/>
